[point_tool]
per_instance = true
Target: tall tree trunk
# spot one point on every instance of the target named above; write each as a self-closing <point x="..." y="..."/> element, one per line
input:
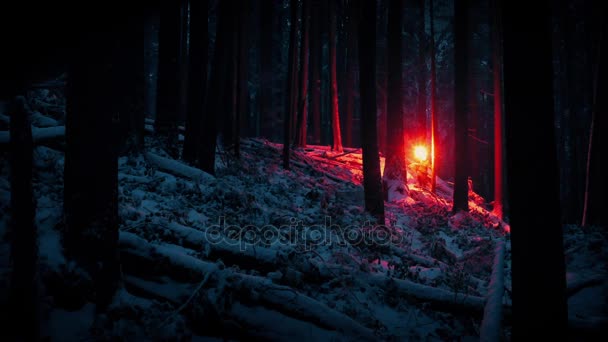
<point x="351" y="75"/>
<point x="215" y="103"/>
<point x="131" y="115"/>
<point x="461" y="194"/>
<point x="434" y="131"/>
<point x="91" y="162"/>
<point x="596" y="74"/>
<point x="498" y="118"/>
<point x="243" y="120"/>
<point x="316" y="51"/>
<point x="301" y="131"/>
<point x="295" y="84"/>
<point x="151" y="24"/>
<point x="335" y="112"/>
<point x="395" y="173"/>
<point x="266" y="73"/>
<point x="183" y="63"/>
<point x="598" y="188"/>
<point x="169" y="71"/>
<point x="289" y="105"/>
<point x="372" y="183"/>
<point x="22" y="313"/>
<point x="420" y="116"/>
<point x="382" y="74"/>
<point x="539" y="299"/>
<point x="473" y="117"/>
<point x="228" y="119"/>
<point x="197" y="88"/>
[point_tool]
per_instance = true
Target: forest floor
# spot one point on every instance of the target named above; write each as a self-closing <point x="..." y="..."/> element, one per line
<point x="262" y="253"/>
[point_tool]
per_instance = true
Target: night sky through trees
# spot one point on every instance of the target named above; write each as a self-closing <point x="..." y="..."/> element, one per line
<point x="297" y="170"/>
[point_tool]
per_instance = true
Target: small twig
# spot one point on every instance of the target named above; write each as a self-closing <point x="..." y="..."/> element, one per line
<point x="478" y="140"/>
<point x="183" y="306"/>
<point x="486" y="92"/>
<point x="344" y="154"/>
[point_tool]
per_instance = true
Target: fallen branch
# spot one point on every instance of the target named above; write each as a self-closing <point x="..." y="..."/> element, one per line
<point x="194" y="293"/>
<point x="177" y="168"/>
<point x="344" y="154"/>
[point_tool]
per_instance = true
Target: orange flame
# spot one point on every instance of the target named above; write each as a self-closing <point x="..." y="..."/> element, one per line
<point x="420" y="152"/>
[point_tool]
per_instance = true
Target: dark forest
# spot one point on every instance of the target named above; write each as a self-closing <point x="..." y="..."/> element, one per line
<point x="297" y="170"/>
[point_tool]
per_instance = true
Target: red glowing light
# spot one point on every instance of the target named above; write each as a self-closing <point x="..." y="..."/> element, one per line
<point x="420" y="153"/>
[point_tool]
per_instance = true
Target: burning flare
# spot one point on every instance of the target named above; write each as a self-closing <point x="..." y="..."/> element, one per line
<point x="420" y="153"/>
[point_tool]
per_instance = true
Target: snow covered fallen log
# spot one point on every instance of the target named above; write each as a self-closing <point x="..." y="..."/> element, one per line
<point x="286" y="300"/>
<point x="41" y="120"/>
<point x="177" y="168"/>
<point x="576" y="283"/>
<point x="267" y="259"/>
<point x="229" y="250"/>
<point x="433" y="295"/>
<point x="161" y="259"/>
<point x="491" y="327"/>
<point x="39" y="135"/>
<point x="48" y="133"/>
<point x="256" y="289"/>
<point x="418" y="259"/>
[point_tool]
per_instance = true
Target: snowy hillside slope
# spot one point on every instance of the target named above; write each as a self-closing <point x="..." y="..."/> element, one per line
<point x="258" y="252"/>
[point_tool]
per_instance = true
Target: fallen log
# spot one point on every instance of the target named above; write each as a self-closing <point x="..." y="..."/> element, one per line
<point x="161" y="260"/>
<point x="256" y="289"/>
<point x="577" y="283"/>
<point x="440" y="297"/>
<point x="288" y="301"/>
<point x="177" y="168"/>
<point x="41" y="120"/>
<point x="232" y="252"/>
<point x="39" y="135"/>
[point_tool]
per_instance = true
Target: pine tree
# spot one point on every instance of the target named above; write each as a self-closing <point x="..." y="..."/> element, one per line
<point x="461" y="191"/>
<point x="335" y="111"/>
<point x="395" y="173"/>
<point x="197" y="78"/>
<point x="539" y="293"/>
<point x="372" y="183"/>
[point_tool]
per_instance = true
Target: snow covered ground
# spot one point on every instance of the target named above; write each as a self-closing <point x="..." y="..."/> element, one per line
<point x="258" y="252"/>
